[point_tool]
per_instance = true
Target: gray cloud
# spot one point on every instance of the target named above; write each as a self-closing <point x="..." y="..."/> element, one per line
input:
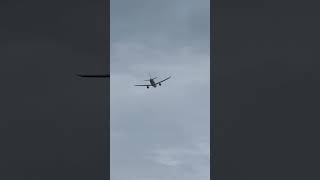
<point x="171" y="23"/>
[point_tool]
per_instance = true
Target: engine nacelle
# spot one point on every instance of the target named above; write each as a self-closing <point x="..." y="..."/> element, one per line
<point x="159" y="84"/>
<point x="148" y="87"/>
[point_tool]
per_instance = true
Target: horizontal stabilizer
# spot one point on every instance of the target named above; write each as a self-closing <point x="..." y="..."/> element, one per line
<point x="151" y="78"/>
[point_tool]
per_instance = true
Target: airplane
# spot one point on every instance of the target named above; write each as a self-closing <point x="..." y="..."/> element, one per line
<point x="152" y="82"/>
<point x="94" y="75"/>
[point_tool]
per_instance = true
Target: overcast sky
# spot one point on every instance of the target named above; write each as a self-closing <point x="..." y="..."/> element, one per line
<point x="160" y="133"/>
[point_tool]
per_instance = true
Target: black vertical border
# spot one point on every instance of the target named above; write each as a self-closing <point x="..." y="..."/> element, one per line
<point x="41" y="98"/>
<point x="270" y="53"/>
<point x="212" y="66"/>
<point x="108" y="121"/>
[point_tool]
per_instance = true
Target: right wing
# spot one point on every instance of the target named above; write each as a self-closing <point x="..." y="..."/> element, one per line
<point x="163" y="80"/>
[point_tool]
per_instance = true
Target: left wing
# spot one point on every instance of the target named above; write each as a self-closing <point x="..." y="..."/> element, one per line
<point x="163" y="80"/>
<point x="143" y="85"/>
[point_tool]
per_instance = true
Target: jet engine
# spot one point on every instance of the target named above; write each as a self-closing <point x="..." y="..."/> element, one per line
<point x="159" y="84"/>
<point x="148" y="87"/>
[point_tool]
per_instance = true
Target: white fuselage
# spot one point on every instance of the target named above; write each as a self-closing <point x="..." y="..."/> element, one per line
<point x="153" y="83"/>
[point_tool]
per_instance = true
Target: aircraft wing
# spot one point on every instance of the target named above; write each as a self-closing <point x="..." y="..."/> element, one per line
<point x="94" y="75"/>
<point x="163" y="80"/>
<point x="143" y="85"/>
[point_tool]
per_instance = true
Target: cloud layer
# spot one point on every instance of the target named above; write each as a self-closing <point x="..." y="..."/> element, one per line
<point x="160" y="133"/>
